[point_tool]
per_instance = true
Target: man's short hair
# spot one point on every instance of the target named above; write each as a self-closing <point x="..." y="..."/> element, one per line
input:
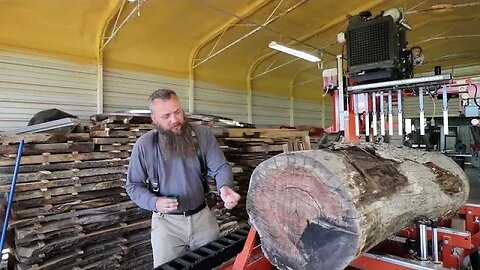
<point x="163" y="94"/>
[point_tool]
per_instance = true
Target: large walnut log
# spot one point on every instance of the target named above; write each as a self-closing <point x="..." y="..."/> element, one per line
<point x="321" y="209"/>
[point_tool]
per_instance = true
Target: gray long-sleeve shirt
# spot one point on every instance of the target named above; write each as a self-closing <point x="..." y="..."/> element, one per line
<point x="176" y="176"/>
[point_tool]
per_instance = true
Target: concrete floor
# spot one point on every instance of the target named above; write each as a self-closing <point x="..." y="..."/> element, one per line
<point x="473" y="176"/>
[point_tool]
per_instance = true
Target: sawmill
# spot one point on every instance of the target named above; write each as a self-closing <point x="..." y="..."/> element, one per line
<point x="240" y="135"/>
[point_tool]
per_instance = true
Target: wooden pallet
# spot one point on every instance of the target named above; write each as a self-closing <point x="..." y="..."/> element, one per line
<point x="117" y="206"/>
<point x="120" y="118"/>
<point x="6" y="139"/>
<point x="75" y="225"/>
<point x="115" y="147"/>
<point x="120" y="126"/>
<point x="73" y="190"/>
<point x="66" y="200"/>
<point x="38" y="248"/>
<point x="261" y="132"/>
<point x="53" y="148"/>
<point x="36" y="168"/>
<point x="52" y="208"/>
<point x="47" y="158"/>
<point x="48" y="176"/>
<point x="116" y="133"/>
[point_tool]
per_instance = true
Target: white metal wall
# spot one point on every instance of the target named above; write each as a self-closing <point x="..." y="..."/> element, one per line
<point x="124" y="90"/>
<point x="29" y="84"/>
<point x="411" y="105"/>
<point x="307" y="113"/>
<point x="329" y="113"/>
<point x="456" y="72"/>
<point x="210" y="99"/>
<point x="130" y="90"/>
<point x="268" y="109"/>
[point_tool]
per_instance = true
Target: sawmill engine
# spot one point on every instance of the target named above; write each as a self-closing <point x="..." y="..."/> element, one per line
<point x="377" y="47"/>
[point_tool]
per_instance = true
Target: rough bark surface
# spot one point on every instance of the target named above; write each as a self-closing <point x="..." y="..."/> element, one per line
<point x="321" y="209"/>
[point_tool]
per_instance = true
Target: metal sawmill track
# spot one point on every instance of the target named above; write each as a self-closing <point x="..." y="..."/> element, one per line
<point x="212" y="254"/>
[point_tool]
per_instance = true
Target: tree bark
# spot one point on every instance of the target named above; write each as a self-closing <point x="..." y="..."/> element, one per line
<point x="321" y="209"/>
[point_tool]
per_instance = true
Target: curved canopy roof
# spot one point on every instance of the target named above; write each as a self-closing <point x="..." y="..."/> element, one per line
<point x="226" y="42"/>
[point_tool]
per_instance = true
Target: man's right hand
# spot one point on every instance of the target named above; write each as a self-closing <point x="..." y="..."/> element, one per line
<point x="166" y="205"/>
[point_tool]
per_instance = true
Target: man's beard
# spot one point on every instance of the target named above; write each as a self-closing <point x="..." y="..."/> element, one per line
<point x="175" y="145"/>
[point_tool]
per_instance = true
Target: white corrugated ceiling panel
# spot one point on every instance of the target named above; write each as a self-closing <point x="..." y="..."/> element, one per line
<point x="29" y="84"/>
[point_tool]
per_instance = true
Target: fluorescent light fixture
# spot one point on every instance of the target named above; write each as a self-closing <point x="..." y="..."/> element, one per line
<point x="309" y="57"/>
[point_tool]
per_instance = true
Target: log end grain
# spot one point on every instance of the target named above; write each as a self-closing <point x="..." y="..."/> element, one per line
<point x="305" y="211"/>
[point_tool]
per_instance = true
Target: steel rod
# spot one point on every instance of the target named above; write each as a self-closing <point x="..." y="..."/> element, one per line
<point x="11" y="194"/>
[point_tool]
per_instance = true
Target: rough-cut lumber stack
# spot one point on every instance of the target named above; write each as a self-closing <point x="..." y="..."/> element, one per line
<point x="118" y="132"/>
<point x="247" y="147"/>
<point x="71" y="210"/>
<point x="321" y="209"/>
<point x="69" y="203"/>
<point x="228" y="220"/>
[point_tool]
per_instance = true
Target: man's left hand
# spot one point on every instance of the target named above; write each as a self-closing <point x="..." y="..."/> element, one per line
<point x="229" y="197"/>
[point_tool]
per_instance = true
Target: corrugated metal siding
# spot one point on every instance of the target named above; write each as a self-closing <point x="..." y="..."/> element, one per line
<point x="307" y="113"/>
<point x="130" y="90"/>
<point x="29" y="84"/>
<point x="269" y="109"/>
<point x="220" y="101"/>
<point x="124" y="90"/>
<point x="410" y="107"/>
<point x="328" y="113"/>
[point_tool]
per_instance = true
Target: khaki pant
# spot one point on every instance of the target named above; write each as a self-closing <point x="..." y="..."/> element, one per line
<point x="174" y="235"/>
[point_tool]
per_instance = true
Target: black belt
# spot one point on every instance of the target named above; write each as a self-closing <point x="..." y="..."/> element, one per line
<point x="190" y="212"/>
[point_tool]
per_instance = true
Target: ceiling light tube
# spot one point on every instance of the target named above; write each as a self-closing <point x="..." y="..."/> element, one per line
<point x="309" y="57"/>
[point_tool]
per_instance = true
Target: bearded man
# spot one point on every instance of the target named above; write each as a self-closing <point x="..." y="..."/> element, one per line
<point x="165" y="177"/>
